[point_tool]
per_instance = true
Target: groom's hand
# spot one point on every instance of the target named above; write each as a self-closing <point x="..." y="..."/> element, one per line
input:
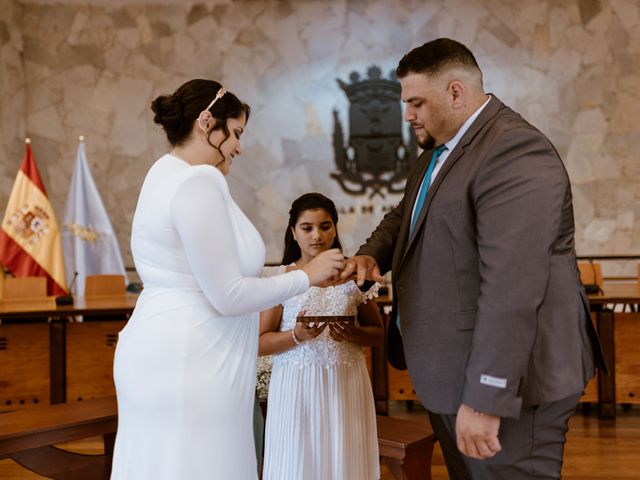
<point x="325" y="268"/>
<point x="364" y="267"/>
<point x="477" y="433"/>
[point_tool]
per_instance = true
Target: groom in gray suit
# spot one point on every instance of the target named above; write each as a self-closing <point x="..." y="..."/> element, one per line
<point x="489" y="310"/>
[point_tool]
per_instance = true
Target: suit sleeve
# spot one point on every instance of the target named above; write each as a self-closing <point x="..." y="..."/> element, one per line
<point x="519" y="194"/>
<point x="381" y="244"/>
<point x="198" y="210"/>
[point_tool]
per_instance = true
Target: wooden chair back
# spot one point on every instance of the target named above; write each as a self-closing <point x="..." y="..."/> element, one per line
<point x="100" y="285"/>
<point x="16" y="288"/>
<point x="590" y="273"/>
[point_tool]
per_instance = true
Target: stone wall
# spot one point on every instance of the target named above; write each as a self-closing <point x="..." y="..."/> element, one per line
<point x="572" y="68"/>
<point x="12" y="95"/>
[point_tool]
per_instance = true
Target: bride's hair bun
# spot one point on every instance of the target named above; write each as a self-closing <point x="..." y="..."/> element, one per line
<point x="168" y="113"/>
<point x="178" y="112"/>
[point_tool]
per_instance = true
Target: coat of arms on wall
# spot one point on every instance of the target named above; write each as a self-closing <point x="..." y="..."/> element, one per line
<point x="375" y="157"/>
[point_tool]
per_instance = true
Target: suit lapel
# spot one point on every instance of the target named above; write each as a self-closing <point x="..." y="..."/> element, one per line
<point x="411" y="194"/>
<point x="487" y="114"/>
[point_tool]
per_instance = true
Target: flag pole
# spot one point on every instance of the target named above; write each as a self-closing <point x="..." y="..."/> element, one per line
<point x="89" y="244"/>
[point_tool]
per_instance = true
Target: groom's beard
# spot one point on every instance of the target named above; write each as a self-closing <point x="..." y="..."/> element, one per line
<point x="428" y="144"/>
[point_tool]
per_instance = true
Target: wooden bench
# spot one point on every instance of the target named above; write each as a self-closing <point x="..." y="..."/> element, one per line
<point x="406" y="446"/>
<point x="27" y="436"/>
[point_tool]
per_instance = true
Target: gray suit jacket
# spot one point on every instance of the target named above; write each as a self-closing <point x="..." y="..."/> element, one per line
<point x="492" y="310"/>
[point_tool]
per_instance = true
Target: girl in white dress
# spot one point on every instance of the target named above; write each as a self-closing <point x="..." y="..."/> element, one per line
<point x="185" y="364"/>
<point x="321" y="420"/>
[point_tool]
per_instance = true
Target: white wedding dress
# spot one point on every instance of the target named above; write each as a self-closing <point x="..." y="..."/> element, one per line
<point x="185" y="364"/>
<point x="321" y="419"/>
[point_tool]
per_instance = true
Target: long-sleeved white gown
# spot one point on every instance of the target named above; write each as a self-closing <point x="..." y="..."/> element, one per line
<point x="185" y="364"/>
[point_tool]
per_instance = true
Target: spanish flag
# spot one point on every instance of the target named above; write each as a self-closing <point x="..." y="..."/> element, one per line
<point x="30" y="237"/>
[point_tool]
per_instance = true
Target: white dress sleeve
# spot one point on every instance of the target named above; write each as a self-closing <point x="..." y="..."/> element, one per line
<point x="273" y="270"/>
<point x="198" y="210"/>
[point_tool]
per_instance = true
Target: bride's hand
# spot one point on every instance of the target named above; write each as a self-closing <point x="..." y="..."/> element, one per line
<point x="325" y="268"/>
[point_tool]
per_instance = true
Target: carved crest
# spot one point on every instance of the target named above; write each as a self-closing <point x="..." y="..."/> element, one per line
<point x="375" y="156"/>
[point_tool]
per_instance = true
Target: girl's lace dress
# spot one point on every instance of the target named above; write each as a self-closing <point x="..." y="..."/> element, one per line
<point x="321" y="421"/>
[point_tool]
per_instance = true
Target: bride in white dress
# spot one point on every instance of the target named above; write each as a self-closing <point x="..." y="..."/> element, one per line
<point x="321" y="420"/>
<point x="185" y="364"/>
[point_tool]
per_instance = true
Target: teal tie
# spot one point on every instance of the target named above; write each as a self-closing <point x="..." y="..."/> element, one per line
<point x="425" y="184"/>
<point x="420" y="201"/>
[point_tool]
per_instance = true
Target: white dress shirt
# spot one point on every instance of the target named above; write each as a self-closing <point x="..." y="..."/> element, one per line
<point x="451" y="144"/>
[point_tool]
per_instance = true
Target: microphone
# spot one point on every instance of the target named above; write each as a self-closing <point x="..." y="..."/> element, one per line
<point x="67" y="299"/>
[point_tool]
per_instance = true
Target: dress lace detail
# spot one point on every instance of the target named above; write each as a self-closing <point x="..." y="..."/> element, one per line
<point x="371" y="293"/>
<point x="336" y="300"/>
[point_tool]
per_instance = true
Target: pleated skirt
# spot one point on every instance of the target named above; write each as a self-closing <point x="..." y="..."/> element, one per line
<point x="321" y="423"/>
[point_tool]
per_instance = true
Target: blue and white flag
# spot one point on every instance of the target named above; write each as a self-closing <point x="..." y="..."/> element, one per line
<point x="89" y="244"/>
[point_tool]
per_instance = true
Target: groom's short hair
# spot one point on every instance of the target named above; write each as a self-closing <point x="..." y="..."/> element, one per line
<point x="436" y="56"/>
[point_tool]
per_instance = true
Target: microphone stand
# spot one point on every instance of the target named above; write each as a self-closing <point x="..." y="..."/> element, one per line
<point x="67" y="299"/>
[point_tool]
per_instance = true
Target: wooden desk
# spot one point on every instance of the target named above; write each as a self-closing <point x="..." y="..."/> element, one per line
<point x="617" y="293"/>
<point x="35" y="349"/>
<point x="47" y="308"/>
<point x="619" y="345"/>
<point x="614" y="293"/>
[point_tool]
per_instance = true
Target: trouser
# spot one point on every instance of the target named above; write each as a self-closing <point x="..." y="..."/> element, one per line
<point x="532" y="445"/>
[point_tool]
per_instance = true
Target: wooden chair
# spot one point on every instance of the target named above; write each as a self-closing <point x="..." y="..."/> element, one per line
<point x="399" y="385"/>
<point x="18" y="288"/>
<point x="590" y="273"/>
<point x="406" y="446"/>
<point x="633" y="307"/>
<point x="24" y="349"/>
<point x="97" y="285"/>
<point x="90" y="345"/>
